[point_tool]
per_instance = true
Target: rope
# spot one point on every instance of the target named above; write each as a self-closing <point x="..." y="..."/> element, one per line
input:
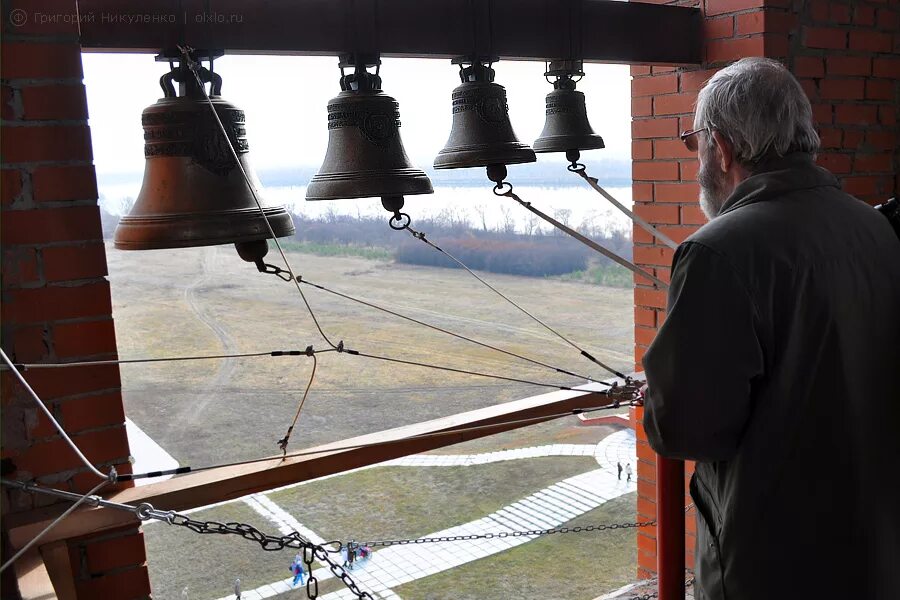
<point x="421" y="237"/>
<point x="445" y="331"/>
<point x="579" y="169"/>
<point x="283" y="442"/>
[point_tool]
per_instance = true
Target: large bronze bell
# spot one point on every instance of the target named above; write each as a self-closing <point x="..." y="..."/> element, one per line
<point x="365" y="156"/>
<point x="566" y="128"/>
<point x="481" y="134"/>
<point x="193" y="194"/>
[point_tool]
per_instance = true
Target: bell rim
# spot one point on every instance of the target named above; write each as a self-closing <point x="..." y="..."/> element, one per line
<point x="123" y="239"/>
<point x="519" y="154"/>
<point x="552" y="143"/>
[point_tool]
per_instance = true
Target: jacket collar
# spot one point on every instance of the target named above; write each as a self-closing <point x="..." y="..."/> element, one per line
<point x="777" y="177"/>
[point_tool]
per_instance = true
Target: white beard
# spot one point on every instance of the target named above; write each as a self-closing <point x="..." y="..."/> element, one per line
<point x="713" y="186"/>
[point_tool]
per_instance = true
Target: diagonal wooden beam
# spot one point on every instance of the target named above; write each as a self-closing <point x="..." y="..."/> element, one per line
<point x="225" y="483"/>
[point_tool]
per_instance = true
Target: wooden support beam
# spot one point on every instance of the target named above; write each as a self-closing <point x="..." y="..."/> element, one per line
<point x="598" y="30"/>
<point x="33" y="578"/>
<point x="59" y="570"/>
<point x="226" y="483"/>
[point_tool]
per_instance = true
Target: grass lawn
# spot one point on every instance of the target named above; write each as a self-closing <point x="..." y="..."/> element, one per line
<point x="409" y="502"/>
<point x="574" y="566"/>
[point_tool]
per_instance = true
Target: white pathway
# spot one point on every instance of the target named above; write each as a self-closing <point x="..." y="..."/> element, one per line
<point x="147" y="454"/>
<point x="551" y="507"/>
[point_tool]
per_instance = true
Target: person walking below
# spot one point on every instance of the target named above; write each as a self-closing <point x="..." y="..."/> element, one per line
<point x="619" y="465"/>
<point x="297" y="570"/>
<point x="628" y="473"/>
<point x="776" y="366"/>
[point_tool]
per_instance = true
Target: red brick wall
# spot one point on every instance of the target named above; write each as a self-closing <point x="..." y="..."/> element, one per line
<point x="846" y="55"/>
<point x="55" y="296"/>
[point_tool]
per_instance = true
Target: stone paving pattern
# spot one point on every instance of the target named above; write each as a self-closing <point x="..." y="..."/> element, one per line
<point x="548" y="508"/>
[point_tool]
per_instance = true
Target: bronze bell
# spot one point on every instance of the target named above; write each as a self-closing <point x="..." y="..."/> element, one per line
<point x="365" y="156"/>
<point x="566" y="128"/>
<point x="481" y="134"/>
<point x="193" y="194"/>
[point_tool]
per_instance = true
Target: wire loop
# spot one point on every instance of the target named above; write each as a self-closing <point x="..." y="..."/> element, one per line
<point x="399" y="221"/>
<point x="143" y="511"/>
<point x="499" y="189"/>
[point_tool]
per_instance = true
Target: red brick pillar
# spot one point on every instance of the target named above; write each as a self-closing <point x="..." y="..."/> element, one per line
<point x="845" y="55"/>
<point x="55" y="296"/>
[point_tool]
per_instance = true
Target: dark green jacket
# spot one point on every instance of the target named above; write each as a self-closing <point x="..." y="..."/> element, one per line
<point x="778" y="370"/>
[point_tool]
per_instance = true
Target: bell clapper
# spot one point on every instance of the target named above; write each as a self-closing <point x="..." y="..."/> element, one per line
<point x="254" y="251"/>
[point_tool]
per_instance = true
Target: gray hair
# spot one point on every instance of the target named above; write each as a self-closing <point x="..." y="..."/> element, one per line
<point x="760" y="107"/>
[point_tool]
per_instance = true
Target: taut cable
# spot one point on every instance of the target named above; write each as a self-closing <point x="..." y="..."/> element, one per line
<point x="162" y="359"/>
<point x="579" y="169"/>
<point x="498" y="190"/>
<point x="445" y="331"/>
<point x="111" y="477"/>
<point x="421" y="237"/>
<point x="78" y="501"/>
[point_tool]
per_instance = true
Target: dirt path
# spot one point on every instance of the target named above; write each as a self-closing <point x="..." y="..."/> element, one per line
<point x="194" y="298"/>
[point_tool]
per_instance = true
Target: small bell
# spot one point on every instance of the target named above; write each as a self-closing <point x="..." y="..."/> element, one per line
<point x="566" y="128"/>
<point x="365" y="156"/>
<point x="193" y="193"/>
<point x="481" y="134"/>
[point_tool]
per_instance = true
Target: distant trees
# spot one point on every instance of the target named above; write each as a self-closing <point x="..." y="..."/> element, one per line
<point x="539" y="252"/>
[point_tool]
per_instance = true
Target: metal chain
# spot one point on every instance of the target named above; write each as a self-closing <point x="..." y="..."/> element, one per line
<point x="505" y="534"/>
<point x="269" y="543"/>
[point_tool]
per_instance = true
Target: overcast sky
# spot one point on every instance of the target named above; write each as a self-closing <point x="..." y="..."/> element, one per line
<point x="285" y="98"/>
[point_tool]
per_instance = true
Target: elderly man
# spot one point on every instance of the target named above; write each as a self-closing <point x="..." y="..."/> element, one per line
<point x="777" y="367"/>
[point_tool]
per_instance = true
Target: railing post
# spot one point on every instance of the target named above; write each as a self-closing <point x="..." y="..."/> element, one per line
<point x="670" y="528"/>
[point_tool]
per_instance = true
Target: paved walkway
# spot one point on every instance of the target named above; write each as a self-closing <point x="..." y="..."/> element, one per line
<point x="550" y="507"/>
<point x="148" y="455"/>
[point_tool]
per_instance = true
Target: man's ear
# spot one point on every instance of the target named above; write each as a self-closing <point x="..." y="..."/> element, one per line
<point x="724" y="151"/>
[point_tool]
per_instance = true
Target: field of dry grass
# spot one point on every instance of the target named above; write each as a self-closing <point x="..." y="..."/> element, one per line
<point x="207" y="301"/>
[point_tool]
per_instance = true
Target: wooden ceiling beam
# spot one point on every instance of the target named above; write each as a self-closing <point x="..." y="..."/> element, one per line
<point x="597" y="30"/>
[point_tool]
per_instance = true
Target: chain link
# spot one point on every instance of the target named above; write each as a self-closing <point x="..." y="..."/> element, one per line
<point x="270" y="543"/>
<point x="505" y="534"/>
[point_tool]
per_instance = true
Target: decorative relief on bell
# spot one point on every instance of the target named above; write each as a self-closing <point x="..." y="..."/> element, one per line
<point x="377" y="127"/>
<point x="195" y="134"/>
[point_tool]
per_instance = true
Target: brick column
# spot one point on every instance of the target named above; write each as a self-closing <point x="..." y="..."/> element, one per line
<point x="55" y="297"/>
<point x="845" y="55"/>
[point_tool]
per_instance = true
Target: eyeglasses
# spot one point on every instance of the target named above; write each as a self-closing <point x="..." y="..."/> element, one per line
<point x="689" y="140"/>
